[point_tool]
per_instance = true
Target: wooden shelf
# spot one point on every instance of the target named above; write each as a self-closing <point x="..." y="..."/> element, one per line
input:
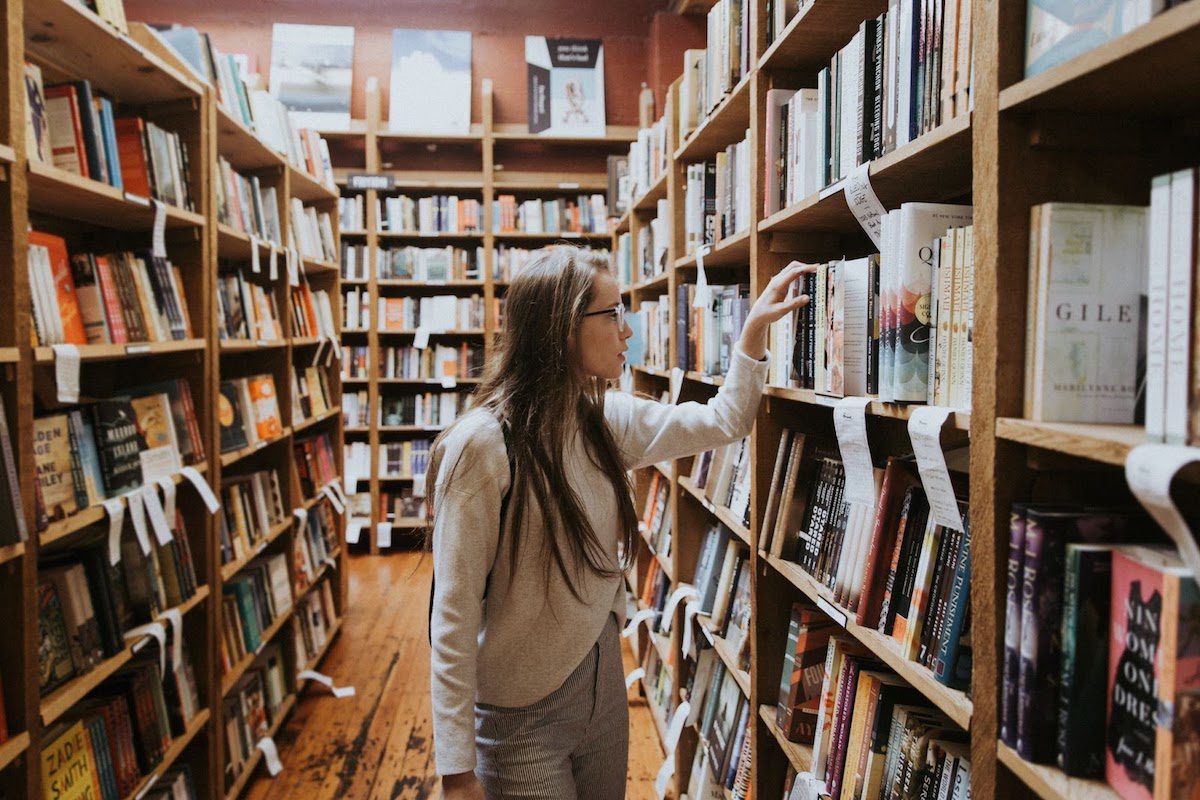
<point x="66" y="36"/>
<point x="10" y="355"/>
<point x="354" y="232"/>
<point x="613" y="135"/>
<point x="653" y="372"/>
<point x="306" y="187"/>
<point x="1109" y="444"/>
<point x="172" y="753"/>
<point x="733" y="251"/>
<point x="720" y="512"/>
<point x="459" y="235"/>
<point x="411" y="428"/>
<point x="58" y="702"/>
<point x="931" y="168"/>
<point x="318" y="419"/>
<point x="412" y="332"/>
<point x="285" y="708"/>
<point x="385" y="134"/>
<point x="241" y="147"/>
<point x="657" y="283"/>
<point x="556" y="183"/>
<point x="60" y="193"/>
<point x="700" y="377"/>
<point x="953" y="703"/>
<point x="725" y="125"/>
<point x="402" y="283"/>
<point x="959" y="420"/>
<point x="304" y="341"/>
<point x="230" y="679"/>
<point x="648" y="201"/>
<point x="11" y="552"/>
<point x="234" y="456"/>
<point x="1125" y="75"/>
<point x="13" y="748"/>
<point x="7" y="154"/>
<point x="119" y="352"/>
<point x="316" y="265"/>
<point x="60" y="529"/>
<point x="526" y="236"/>
<point x="231" y="569"/>
<point x="817" y="32"/>
<point x="316" y="660"/>
<point x="235" y="245"/>
<point x="250" y="345"/>
<point x="1050" y="782"/>
<point x="725" y="653"/>
<point x="418" y="381"/>
<point x="798" y="755"/>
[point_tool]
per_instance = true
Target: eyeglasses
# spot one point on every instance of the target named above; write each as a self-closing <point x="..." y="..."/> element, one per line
<point x="617" y="312"/>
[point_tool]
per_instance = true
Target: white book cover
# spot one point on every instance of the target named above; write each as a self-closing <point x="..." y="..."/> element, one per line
<point x="776" y="99"/>
<point x="1088" y="308"/>
<point x="430" y="90"/>
<point x="311" y="70"/>
<point x="1181" y="262"/>
<point x="855" y="287"/>
<point x="1157" y="269"/>
<point x="565" y="80"/>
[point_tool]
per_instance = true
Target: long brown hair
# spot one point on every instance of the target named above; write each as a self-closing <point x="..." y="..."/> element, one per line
<point x="532" y="386"/>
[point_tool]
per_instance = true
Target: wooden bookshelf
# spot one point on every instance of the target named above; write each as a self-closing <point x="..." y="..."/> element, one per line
<point x="256" y="756"/>
<point x="798" y="755"/>
<point x="1108" y="444"/>
<point x="197" y="727"/>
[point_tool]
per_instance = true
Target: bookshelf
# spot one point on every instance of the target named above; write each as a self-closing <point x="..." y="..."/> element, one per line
<point x="492" y="159"/>
<point x="143" y="76"/>
<point x="1022" y="142"/>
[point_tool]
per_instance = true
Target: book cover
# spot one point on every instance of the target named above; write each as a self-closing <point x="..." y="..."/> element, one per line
<point x="229" y="415"/>
<point x="156" y="425"/>
<point x="268" y="424"/>
<point x="1086" y="607"/>
<point x="55" y="666"/>
<point x="311" y="70"/>
<point x="120" y="444"/>
<point x="37" y="133"/>
<point x="52" y="458"/>
<point x="69" y="764"/>
<point x="66" y="129"/>
<point x="1058" y="30"/>
<point x="64" y="286"/>
<point x="12" y="516"/>
<point x="430" y="89"/>
<point x="565" y="85"/>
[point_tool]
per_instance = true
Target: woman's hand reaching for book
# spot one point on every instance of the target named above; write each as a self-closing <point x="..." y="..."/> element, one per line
<point x="778" y="298"/>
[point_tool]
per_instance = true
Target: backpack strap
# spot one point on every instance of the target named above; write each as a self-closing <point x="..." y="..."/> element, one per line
<point x="504" y="498"/>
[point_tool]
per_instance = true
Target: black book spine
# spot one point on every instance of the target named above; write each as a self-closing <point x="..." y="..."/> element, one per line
<point x="811" y="358"/>
<point x="869" y="91"/>
<point x="873" y="325"/>
<point x="946" y="555"/>
<point x="877" y="76"/>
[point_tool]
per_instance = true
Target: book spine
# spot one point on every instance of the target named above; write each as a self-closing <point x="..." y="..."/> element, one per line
<point x="1012" y="627"/>
<point x="950" y="646"/>
<point x="1041" y="618"/>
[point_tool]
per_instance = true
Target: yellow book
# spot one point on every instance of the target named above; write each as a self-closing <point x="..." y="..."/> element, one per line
<point x="69" y="766"/>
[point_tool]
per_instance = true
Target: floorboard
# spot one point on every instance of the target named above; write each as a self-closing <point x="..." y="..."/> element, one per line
<point x="378" y="744"/>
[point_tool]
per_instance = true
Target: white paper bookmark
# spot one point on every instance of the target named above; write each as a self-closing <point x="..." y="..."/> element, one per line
<point x="383" y="534"/>
<point x="337" y="489"/>
<point x="354" y="527"/>
<point x="685" y="591"/>
<point x="202" y="488"/>
<point x="864" y="203"/>
<point x="175" y="617"/>
<point x="255" y="260"/>
<point x="320" y="349"/>
<point x="351" y="481"/>
<point x="156" y="630"/>
<point x="449" y="382"/>
<point x="302" y="516"/>
<point x="66" y="372"/>
<point x="137" y="512"/>
<point x="168" y="489"/>
<point x="337" y="691"/>
<point x="1149" y="470"/>
<point x="806" y="787"/>
<point x="333" y="499"/>
<point x="115" y="508"/>
<point x="674" y="730"/>
<point x="158" y="240"/>
<point x="292" y="269"/>
<point x="924" y="431"/>
<point x="273" y="262"/>
<point x="689" y="615"/>
<point x="158" y="520"/>
<point x="421" y="339"/>
<point x="850" y="423"/>
<point x="637" y="619"/>
<point x="634" y="677"/>
<point x="676" y="384"/>
<point x="270" y="755"/>
<point x="703" y="298"/>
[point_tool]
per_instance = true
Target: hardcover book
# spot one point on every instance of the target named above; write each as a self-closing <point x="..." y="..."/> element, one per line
<point x="120" y="444"/>
<point x="565" y="80"/>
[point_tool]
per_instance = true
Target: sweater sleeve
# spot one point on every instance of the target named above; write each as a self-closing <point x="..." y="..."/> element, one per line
<point x="466" y="531"/>
<point x="649" y="431"/>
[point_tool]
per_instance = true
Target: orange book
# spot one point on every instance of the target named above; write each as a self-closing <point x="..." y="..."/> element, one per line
<point x="131" y="149"/>
<point x="266" y="407"/>
<point x="393" y="319"/>
<point x="64" y="286"/>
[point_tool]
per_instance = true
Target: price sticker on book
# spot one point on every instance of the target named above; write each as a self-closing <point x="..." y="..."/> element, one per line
<point x="325" y="680"/>
<point x="864" y="203"/>
<point x="115" y="508"/>
<point x="925" y="431"/>
<point x="66" y="372"/>
<point x="202" y="488"/>
<point x="158" y="238"/>
<point x="1149" y="470"/>
<point x="383" y="534"/>
<point x="850" y="424"/>
<point x="255" y="260"/>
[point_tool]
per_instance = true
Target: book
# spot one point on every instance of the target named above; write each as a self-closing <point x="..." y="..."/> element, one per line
<point x="311" y="73"/>
<point x="66" y="302"/>
<point x="69" y="767"/>
<point x="13" y="528"/>
<point x="120" y="443"/>
<point x="53" y="461"/>
<point x="565" y="86"/>
<point x="55" y="665"/>
<point x="430" y="88"/>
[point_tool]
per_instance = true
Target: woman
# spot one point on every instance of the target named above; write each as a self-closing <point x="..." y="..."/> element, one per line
<point x="528" y="692"/>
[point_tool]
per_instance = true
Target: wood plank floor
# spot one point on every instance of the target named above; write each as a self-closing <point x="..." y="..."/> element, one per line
<point x="378" y="744"/>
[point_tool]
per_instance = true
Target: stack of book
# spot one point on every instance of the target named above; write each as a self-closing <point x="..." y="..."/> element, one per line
<point x="405" y="459"/>
<point x="355" y="262"/>
<point x="315" y="618"/>
<point x="428" y="409"/>
<point x="654" y="239"/>
<point x="723" y="474"/>
<point x="312" y="314"/>
<point x="251" y="507"/>
<point x="647" y="159"/>
<point x="435" y="313"/>
<point x="312" y="395"/>
<point x="113" y="298"/>
<point x="716" y="204"/>
<point x="249" y="412"/>
<point x="311" y="232"/>
<point x="356" y="409"/>
<point x="431" y="363"/>
<point x="314" y="546"/>
<point x="356" y="309"/>
<point x="622" y="264"/>
<point x="352" y="212"/>
<point x="89" y="453"/>
<point x="75" y="129"/>
<point x="247" y="206"/>
<point x="584" y="214"/>
<point x="657" y="682"/>
<point x="710" y="74"/>
<point x="651" y="325"/>
<point x="251" y="708"/>
<point x="508" y="261"/>
<point x="355" y="362"/>
<point x="315" y="462"/>
<point x="722" y="718"/>
<point x="246" y="310"/>
<point x="705" y="337"/>
<point x="253" y="600"/>
<point x="425" y="215"/>
<point x="656" y="516"/>
<point x="429" y="263"/>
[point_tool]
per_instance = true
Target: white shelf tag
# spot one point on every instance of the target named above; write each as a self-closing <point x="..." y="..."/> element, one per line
<point x="158" y="520"/>
<point x="273" y="264"/>
<point x="850" y="423"/>
<point x="1149" y="470"/>
<point x="637" y="619"/>
<point x="354" y="527"/>
<point x="137" y="512"/>
<point x="864" y="203"/>
<point x="115" y="508"/>
<point x="302" y="516"/>
<point x="66" y="372"/>
<point x="255" y="260"/>
<point x="634" y="676"/>
<point x="924" y="431"/>
<point x="158" y="240"/>
<point x="168" y="489"/>
<point x="676" y="384"/>
<point x="175" y="617"/>
<point x="703" y="298"/>
<point x="337" y="691"/>
<point x="202" y="488"/>
<point x="270" y="755"/>
<point x="151" y="629"/>
<point x="421" y="339"/>
<point x="383" y="534"/>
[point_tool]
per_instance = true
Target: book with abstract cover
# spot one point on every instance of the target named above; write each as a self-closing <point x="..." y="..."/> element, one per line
<point x="1058" y="30"/>
<point x="565" y="85"/>
<point x="430" y="88"/>
<point x="311" y="69"/>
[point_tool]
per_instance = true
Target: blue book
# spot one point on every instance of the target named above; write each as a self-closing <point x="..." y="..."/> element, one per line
<point x="89" y="461"/>
<point x="108" y="136"/>
<point x="952" y="663"/>
<point x="636" y="356"/>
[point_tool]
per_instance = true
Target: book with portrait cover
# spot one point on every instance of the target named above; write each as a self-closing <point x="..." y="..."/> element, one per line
<point x="565" y="80"/>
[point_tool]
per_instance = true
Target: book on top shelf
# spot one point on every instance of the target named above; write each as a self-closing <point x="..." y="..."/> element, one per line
<point x="430" y="88"/>
<point x="310" y="73"/>
<point x="1056" y="32"/>
<point x="565" y="86"/>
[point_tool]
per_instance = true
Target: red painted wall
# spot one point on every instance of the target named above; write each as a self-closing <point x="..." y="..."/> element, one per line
<point x="498" y="46"/>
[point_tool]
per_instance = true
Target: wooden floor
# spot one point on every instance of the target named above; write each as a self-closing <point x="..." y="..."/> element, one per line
<point x="378" y="744"/>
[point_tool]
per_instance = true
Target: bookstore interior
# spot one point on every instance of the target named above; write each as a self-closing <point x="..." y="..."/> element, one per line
<point x="258" y="262"/>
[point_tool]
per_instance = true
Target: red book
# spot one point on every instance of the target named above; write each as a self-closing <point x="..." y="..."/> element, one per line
<point x="64" y="286"/>
<point x="66" y="129"/>
<point x="112" y="301"/>
<point x="896" y="479"/>
<point x="131" y="149"/>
